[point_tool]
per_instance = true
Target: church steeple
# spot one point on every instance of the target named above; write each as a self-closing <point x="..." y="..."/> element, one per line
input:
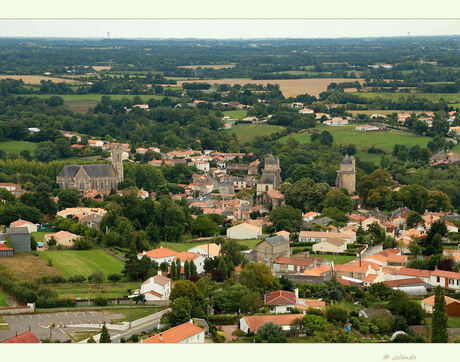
<point x="117" y="162"/>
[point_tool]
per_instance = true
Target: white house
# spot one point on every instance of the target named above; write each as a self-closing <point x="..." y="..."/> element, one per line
<point x="198" y="260"/>
<point x="187" y="332"/>
<point x="309" y="216"/>
<point x="336" y="121"/>
<point x="446" y="279"/>
<point x="157" y="287"/>
<point x="200" y="165"/>
<point x="367" y="128"/>
<point x="244" y="231"/>
<point x="317" y="236"/>
<point x="334" y="245"/>
<point x="210" y="250"/>
<point x="95" y="143"/>
<point x="306" y="111"/>
<point x="159" y="255"/>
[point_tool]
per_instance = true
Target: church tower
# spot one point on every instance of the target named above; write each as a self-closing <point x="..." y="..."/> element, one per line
<point x="117" y="162"/>
<point x="346" y="175"/>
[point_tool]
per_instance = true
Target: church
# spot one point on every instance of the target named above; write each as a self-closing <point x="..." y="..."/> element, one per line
<point x="346" y="175"/>
<point x="101" y="177"/>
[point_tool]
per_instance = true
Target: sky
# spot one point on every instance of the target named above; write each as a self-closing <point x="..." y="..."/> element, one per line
<point x="224" y="29"/>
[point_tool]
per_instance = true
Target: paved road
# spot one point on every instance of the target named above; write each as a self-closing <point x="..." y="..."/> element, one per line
<point x="370" y="251"/>
<point x="116" y="335"/>
<point x="39" y="323"/>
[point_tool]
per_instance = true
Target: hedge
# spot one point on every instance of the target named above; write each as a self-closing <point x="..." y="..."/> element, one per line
<point x="302" y="243"/>
<point x="224" y="319"/>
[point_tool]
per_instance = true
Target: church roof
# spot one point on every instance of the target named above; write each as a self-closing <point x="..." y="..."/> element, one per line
<point x="102" y="170"/>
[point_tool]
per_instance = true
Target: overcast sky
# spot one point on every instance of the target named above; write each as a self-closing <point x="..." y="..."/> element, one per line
<point x="226" y="28"/>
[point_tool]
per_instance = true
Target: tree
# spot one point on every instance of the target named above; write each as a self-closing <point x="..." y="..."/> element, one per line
<point x="413" y="219"/>
<point x="114" y="278"/>
<point x="415" y="197"/>
<point x="258" y="277"/>
<point x="439" y="322"/>
<point x="438" y="201"/>
<point x="189" y="290"/>
<point x="338" y="199"/>
<point x="91" y="340"/>
<point x="231" y="250"/>
<point x="105" y="336"/>
<point x="270" y="330"/>
<point x="286" y="218"/>
<point x="96" y="278"/>
<point x="401" y="305"/>
<point x="193" y="270"/>
<point x="389" y="243"/>
<point x="333" y="291"/>
<point x="433" y="245"/>
<point x="186" y="269"/>
<point x="181" y="311"/>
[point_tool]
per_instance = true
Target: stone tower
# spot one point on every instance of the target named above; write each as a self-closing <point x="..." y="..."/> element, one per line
<point x="117" y="162"/>
<point x="346" y="175"/>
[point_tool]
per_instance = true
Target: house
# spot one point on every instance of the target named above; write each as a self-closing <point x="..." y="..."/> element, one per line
<point x="198" y="260"/>
<point x="285" y="234"/>
<point x="367" y="128"/>
<point x="446" y="279"/>
<point x="209" y="250"/>
<point x="309" y="216"/>
<point x="253" y="323"/>
<point x="317" y="236"/>
<point x="157" y="287"/>
<point x="244" y="231"/>
<point x="5" y="251"/>
<point x="294" y="264"/>
<point x="186" y="332"/>
<point x="24" y="223"/>
<point x="336" y="121"/>
<point x="20" y="237"/>
<point x="62" y="237"/>
<point x="455" y="130"/>
<point x="452" y="305"/>
<point x="93" y="221"/>
<point x="281" y="301"/>
<point x="333" y="245"/>
<point x="159" y="255"/>
<point x="320" y="273"/>
<point x="353" y="271"/>
<point x="422" y="274"/>
<point x="27" y="337"/>
<point x="95" y="143"/>
<point x="306" y="111"/>
<point x="271" y="248"/>
<point x="80" y="212"/>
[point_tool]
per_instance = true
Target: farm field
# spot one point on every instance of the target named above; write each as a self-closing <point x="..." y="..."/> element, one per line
<point x="18" y="146"/>
<point x="86" y="290"/>
<point x="383" y="140"/>
<point x="289" y="87"/>
<point x="371" y="157"/>
<point x="210" y="66"/>
<point x="247" y="132"/>
<point x="83" y="262"/>
<point x="238" y="114"/>
<point x="448" y="97"/>
<point x="3" y="297"/>
<point x="35" y="79"/>
<point x="26" y="266"/>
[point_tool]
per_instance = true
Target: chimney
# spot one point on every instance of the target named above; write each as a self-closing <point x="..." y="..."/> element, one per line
<point x="296" y="291"/>
<point x="160" y="272"/>
<point x="161" y="337"/>
<point x="191" y="321"/>
<point x="144" y="253"/>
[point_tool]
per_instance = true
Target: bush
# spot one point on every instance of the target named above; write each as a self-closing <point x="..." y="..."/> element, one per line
<point x="374" y="329"/>
<point x="337" y="314"/>
<point x="314" y="311"/>
<point x="238" y="333"/>
<point x="220" y="337"/>
<point x="134" y="338"/>
<point x="122" y="340"/>
<point x="54" y="303"/>
<point x="270" y="330"/>
<point x="100" y="301"/>
<point x="363" y="329"/>
<point x="77" y="279"/>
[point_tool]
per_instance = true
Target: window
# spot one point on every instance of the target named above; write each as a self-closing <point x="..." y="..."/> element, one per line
<point x="288" y="309"/>
<point x="438" y="279"/>
<point x="272" y="309"/>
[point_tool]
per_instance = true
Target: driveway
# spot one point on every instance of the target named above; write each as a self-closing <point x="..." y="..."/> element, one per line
<point x="228" y="330"/>
<point x="39" y="323"/>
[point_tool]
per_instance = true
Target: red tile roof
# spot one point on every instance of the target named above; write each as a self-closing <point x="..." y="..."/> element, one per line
<point x="280" y="297"/>
<point x="445" y="274"/>
<point x="175" y="334"/>
<point x="294" y="261"/>
<point x="4" y="247"/>
<point x="255" y="322"/>
<point x="310" y="303"/>
<point x="27" y="337"/>
<point x="399" y="282"/>
<point x="414" y="272"/>
<point x="160" y="253"/>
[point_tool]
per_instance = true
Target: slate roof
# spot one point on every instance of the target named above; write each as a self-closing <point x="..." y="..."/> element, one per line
<point x="276" y="240"/>
<point x="103" y="170"/>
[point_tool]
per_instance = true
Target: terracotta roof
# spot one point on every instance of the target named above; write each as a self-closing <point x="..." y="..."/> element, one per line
<point x="399" y="282"/>
<point x="175" y="334"/>
<point x="4" y="247"/>
<point x="351" y="268"/>
<point x="214" y="249"/>
<point x="61" y="234"/>
<point x="445" y="274"/>
<point x="309" y="303"/>
<point x="20" y="222"/>
<point x="294" y="261"/>
<point x="311" y="213"/>
<point x="27" y="337"/>
<point x="414" y="272"/>
<point x="280" y="297"/>
<point x="154" y="293"/>
<point x="255" y="322"/>
<point x="449" y="300"/>
<point x="185" y="255"/>
<point x="370" y="278"/>
<point x="318" y="270"/>
<point x="159" y="253"/>
<point x="275" y="194"/>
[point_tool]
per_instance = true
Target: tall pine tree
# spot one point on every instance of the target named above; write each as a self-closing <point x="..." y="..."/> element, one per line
<point x="178" y="269"/>
<point x="193" y="270"/>
<point x="105" y="336"/>
<point x="187" y="270"/>
<point x="439" y="323"/>
<point x="173" y="271"/>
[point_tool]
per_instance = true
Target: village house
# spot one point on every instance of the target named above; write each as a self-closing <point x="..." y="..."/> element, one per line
<point x="27" y="337"/>
<point x="15" y="189"/>
<point x="81" y="212"/>
<point x="282" y="301"/>
<point x="159" y="255"/>
<point x="197" y="259"/>
<point x="332" y="245"/>
<point x="309" y="216"/>
<point x="452" y="306"/>
<point x="318" y="236"/>
<point x="63" y="238"/>
<point x="295" y="264"/>
<point x="244" y="231"/>
<point x="186" y="332"/>
<point x="157" y="287"/>
<point x="320" y="273"/>
<point x="253" y="323"/>
<point x="24" y="223"/>
<point x="95" y="143"/>
<point x="210" y="250"/>
<point x="5" y="251"/>
<point x="446" y="279"/>
<point x="271" y="248"/>
<point x="367" y="128"/>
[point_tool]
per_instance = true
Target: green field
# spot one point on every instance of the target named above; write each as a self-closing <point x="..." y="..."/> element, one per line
<point x="239" y="114"/>
<point x="3" y="297"/>
<point x="18" y="146"/>
<point x="247" y="132"/>
<point x="456" y="148"/>
<point x="384" y="140"/>
<point x="39" y="236"/>
<point x="90" y="291"/>
<point x="83" y="262"/>
<point x="337" y="259"/>
<point x="448" y="97"/>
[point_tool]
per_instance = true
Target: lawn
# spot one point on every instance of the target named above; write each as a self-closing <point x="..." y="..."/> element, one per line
<point x="131" y="314"/>
<point x="39" y="236"/>
<point x="83" y="262"/>
<point x="18" y="146"/>
<point x="247" y="132"/>
<point x="188" y="245"/>
<point x="3" y="298"/>
<point x="90" y="291"/>
<point x="337" y="259"/>
<point x="240" y="114"/>
<point x="452" y="322"/>
<point x="448" y="97"/>
<point x="80" y="336"/>
<point x="27" y="266"/>
<point x="384" y="140"/>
